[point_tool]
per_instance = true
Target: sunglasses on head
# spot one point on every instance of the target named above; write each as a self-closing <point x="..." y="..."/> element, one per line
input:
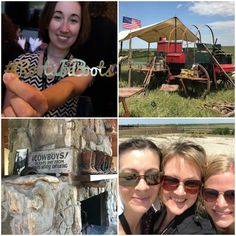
<point x="129" y="179"/>
<point x="170" y="183"/>
<point x="211" y="195"/>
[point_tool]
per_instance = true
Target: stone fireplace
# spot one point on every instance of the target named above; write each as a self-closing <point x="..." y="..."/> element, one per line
<point x="67" y="183"/>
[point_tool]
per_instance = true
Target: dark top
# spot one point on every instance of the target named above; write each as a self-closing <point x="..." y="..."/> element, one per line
<point x="187" y="223"/>
<point x="27" y="70"/>
<point x="147" y="220"/>
<point x="125" y="224"/>
<point x="10" y="51"/>
<point x="101" y="45"/>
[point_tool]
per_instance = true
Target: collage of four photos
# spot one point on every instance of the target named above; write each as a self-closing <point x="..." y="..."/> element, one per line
<point x="118" y="117"/>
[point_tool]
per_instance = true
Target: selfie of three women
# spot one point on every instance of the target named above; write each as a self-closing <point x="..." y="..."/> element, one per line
<point x="174" y="189"/>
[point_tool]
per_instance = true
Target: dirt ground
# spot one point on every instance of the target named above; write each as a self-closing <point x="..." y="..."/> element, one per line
<point x="212" y="144"/>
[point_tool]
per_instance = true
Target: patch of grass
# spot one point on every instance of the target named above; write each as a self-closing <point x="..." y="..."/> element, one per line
<point x="165" y="104"/>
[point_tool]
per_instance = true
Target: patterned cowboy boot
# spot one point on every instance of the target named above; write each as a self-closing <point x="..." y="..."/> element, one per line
<point x="93" y="163"/>
<point x="105" y="165"/>
<point x="100" y="158"/>
<point x="110" y="170"/>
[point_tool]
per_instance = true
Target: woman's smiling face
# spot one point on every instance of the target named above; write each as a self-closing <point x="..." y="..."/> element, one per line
<point x="221" y="211"/>
<point x="65" y="25"/>
<point x="139" y="198"/>
<point x="178" y="201"/>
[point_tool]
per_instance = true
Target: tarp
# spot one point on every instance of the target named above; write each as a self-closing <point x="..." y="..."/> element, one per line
<point x="172" y="29"/>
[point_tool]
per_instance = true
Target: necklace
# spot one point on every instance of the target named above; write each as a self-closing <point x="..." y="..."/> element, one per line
<point x="44" y="76"/>
<point x="124" y="224"/>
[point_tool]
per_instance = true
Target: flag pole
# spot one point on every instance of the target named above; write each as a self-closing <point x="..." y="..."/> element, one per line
<point x="131" y="23"/>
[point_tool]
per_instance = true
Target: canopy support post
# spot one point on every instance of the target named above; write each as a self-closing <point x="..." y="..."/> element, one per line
<point x="129" y="62"/>
<point x="148" y="50"/>
<point x="121" y="47"/>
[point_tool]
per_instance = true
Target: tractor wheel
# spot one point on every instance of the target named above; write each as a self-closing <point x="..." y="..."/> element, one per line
<point x="201" y="86"/>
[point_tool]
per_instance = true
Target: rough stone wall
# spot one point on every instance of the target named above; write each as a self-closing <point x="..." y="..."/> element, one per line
<point x="112" y="203"/>
<point x="37" y="135"/>
<point x="25" y="199"/>
<point x="45" y="134"/>
<point x="39" y="204"/>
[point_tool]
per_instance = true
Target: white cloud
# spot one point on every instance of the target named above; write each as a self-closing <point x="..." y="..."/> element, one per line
<point x="222" y="25"/>
<point x="179" y="6"/>
<point x="223" y="31"/>
<point x="226" y="8"/>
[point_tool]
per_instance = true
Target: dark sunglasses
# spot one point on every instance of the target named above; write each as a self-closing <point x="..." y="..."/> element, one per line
<point x="132" y="178"/>
<point x="170" y="183"/>
<point x="211" y="195"/>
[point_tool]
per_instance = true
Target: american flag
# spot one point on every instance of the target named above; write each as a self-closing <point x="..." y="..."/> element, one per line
<point x="131" y="23"/>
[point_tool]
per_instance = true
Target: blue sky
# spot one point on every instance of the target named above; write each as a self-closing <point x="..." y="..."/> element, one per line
<point x="126" y="121"/>
<point x="219" y="15"/>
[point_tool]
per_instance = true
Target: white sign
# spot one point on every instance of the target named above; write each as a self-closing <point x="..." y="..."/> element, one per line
<point x="52" y="161"/>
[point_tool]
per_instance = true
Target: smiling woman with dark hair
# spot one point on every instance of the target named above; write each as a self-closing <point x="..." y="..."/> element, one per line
<point x="47" y="86"/>
<point x="139" y="178"/>
<point x="47" y="15"/>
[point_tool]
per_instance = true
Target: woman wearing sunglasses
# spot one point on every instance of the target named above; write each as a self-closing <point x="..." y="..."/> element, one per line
<point x="183" y="167"/>
<point x="218" y="193"/>
<point x="139" y="178"/>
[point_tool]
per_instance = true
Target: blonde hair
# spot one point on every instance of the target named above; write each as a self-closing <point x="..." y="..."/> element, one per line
<point x="218" y="164"/>
<point x="189" y="151"/>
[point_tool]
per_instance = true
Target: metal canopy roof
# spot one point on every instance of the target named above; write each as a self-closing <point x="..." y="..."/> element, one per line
<point x="172" y="29"/>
